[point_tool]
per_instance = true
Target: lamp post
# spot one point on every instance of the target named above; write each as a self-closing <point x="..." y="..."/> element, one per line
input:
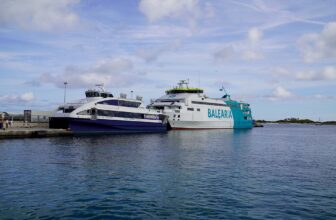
<point x="65" y="86"/>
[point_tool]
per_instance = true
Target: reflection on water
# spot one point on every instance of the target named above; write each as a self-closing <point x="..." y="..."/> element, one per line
<point x="277" y="171"/>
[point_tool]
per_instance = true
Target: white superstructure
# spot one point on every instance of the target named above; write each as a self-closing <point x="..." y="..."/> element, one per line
<point x="101" y="112"/>
<point x="190" y="108"/>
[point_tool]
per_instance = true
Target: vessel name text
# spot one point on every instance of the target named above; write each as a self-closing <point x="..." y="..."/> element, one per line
<point x="219" y="113"/>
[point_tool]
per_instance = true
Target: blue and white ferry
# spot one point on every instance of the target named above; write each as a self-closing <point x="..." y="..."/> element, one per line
<point x="190" y="108"/>
<point x="101" y="112"/>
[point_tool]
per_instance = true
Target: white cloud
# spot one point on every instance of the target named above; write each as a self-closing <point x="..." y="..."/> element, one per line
<point x="113" y="72"/>
<point x="41" y="15"/>
<point x="252" y="55"/>
<point x="318" y="46"/>
<point x="319" y="96"/>
<point x="155" y="10"/>
<point x="248" y="49"/>
<point x="25" y="97"/>
<point x="152" y="54"/>
<point x="253" y="51"/>
<point x="225" y="53"/>
<point x="326" y="74"/>
<point x="156" y="33"/>
<point x="279" y="93"/>
<point x="254" y="35"/>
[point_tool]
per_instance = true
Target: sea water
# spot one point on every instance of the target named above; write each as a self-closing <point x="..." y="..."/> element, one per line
<point x="278" y="171"/>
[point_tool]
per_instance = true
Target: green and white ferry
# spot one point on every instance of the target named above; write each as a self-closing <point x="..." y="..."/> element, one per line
<point x="190" y="108"/>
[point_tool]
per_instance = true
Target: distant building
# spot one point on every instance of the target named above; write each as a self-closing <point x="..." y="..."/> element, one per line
<point x="2" y="116"/>
<point x="37" y="116"/>
<point x="11" y="116"/>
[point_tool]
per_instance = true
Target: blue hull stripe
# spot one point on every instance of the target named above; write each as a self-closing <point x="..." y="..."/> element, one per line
<point x="114" y="126"/>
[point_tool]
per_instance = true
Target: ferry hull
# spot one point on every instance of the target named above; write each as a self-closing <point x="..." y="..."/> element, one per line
<point x="106" y="126"/>
<point x="179" y="125"/>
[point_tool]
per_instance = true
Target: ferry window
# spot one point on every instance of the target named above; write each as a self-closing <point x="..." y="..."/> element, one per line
<point x="207" y="103"/>
<point x="92" y="94"/>
<point x="198" y="110"/>
<point x="86" y="112"/>
<point x="109" y="102"/>
<point x="129" y="104"/>
<point x="105" y="95"/>
<point x="68" y="110"/>
<point x="121" y="103"/>
<point x="190" y="109"/>
<point x="178" y="116"/>
<point x="108" y="113"/>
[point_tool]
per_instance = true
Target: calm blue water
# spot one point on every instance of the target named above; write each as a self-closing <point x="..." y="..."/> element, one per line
<point x="279" y="171"/>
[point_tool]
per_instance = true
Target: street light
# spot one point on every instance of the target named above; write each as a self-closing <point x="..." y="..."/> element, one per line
<point x="65" y="85"/>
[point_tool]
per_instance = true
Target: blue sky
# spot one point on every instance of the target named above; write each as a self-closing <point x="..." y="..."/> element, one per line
<point x="280" y="56"/>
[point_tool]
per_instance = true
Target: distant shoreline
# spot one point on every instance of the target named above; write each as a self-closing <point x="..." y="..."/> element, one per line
<point x="297" y="121"/>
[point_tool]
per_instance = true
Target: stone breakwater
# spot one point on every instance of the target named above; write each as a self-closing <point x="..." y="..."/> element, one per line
<point x="33" y="133"/>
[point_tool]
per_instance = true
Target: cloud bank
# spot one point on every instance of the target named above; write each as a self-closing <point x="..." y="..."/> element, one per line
<point x="116" y="72"/>
<point x="156" y="10"/>
<point x="319" y="46"/>
<point x="22" y="98"/>
<point x="39" y="15"/>
<point x="327" y="73"/>
<point x="249" y="49"/>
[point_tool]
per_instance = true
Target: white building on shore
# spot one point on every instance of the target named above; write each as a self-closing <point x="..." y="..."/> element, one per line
<point x="37" y="116"/>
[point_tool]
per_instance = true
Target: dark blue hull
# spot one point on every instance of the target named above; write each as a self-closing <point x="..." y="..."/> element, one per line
<point x="112" y="126"/>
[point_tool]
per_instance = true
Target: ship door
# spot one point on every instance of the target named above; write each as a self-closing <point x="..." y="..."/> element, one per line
<point x="93" y="114"/>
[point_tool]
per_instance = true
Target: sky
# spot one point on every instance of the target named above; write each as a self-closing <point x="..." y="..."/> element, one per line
<point x="277" y="55"/>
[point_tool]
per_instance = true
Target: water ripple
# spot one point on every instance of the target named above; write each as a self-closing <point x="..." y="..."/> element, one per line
<point x="275" y="172"/>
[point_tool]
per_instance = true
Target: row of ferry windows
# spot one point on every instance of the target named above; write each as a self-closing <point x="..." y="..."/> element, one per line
<point x="207" y="103"/>
<point x="108" y="113"/>
<point x="192" y="109"/>
<point x="98" y="94"/>
<point x="120" y="103"/>
<point x="120" y="114"/>
<point x="196" y="102"/>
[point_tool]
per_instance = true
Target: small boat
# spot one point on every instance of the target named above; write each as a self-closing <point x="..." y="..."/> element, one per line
<point x="101" y="112"/>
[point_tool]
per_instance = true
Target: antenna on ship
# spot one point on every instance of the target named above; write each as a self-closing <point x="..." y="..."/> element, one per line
<point x="65" y="87"/>
<point x="100" y="86"/>
<point x="226" y="95"/>
<point x="199" y="81"/>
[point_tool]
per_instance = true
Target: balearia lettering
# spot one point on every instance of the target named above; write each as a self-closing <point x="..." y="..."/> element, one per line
<point x="219" y="113"/>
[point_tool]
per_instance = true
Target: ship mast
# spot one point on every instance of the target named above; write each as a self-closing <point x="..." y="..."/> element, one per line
<point x="226" y="95"/>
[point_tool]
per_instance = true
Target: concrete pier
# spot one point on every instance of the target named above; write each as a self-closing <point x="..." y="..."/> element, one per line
<point x="33" y="133"/>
